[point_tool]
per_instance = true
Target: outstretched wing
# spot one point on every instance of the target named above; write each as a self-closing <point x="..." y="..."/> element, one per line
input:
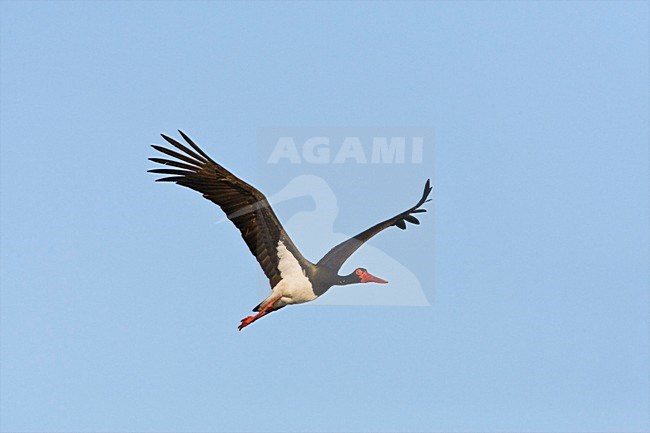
<point x="335" y="258"/>
<point x="243" y="204"/>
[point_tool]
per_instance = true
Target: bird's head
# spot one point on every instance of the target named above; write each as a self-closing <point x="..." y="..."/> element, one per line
<point x="364" y="276"/>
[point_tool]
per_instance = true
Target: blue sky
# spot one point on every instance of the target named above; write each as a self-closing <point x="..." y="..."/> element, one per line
<point x="120" y="297"/>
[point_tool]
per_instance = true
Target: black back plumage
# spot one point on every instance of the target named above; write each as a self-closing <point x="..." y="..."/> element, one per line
<point x="243" y="204"/>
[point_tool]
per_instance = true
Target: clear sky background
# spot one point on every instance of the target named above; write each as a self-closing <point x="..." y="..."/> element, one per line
<point x="120" y="297"/>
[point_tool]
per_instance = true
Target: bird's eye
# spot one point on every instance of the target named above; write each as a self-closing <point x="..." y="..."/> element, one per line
<point x="358" y="271"/>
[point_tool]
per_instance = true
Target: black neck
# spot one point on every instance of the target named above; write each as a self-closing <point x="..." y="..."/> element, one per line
<point x="324" y="278"/>
<point x="344" y="280"/>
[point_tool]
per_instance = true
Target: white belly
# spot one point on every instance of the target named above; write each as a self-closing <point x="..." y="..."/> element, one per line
<point x="290" y="294"/>
<point x="295" y="287"/>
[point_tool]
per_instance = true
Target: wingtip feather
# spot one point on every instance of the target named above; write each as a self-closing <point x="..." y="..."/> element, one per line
<point x="170" y="179"/>
<point x="194" y="146"/>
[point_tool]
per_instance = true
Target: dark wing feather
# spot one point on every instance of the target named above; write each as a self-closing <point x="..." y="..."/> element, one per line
<point x="243" y="204"/>
<point x="335" y="258"/>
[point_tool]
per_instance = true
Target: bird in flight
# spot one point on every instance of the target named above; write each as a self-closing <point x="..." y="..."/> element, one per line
<point x="293" y="279"/>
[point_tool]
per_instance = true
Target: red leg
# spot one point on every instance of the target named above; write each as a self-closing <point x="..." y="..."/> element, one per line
<point x="263" y="312"/>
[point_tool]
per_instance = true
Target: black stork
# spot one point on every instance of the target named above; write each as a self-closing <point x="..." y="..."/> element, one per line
<point x="293" y="279"/>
